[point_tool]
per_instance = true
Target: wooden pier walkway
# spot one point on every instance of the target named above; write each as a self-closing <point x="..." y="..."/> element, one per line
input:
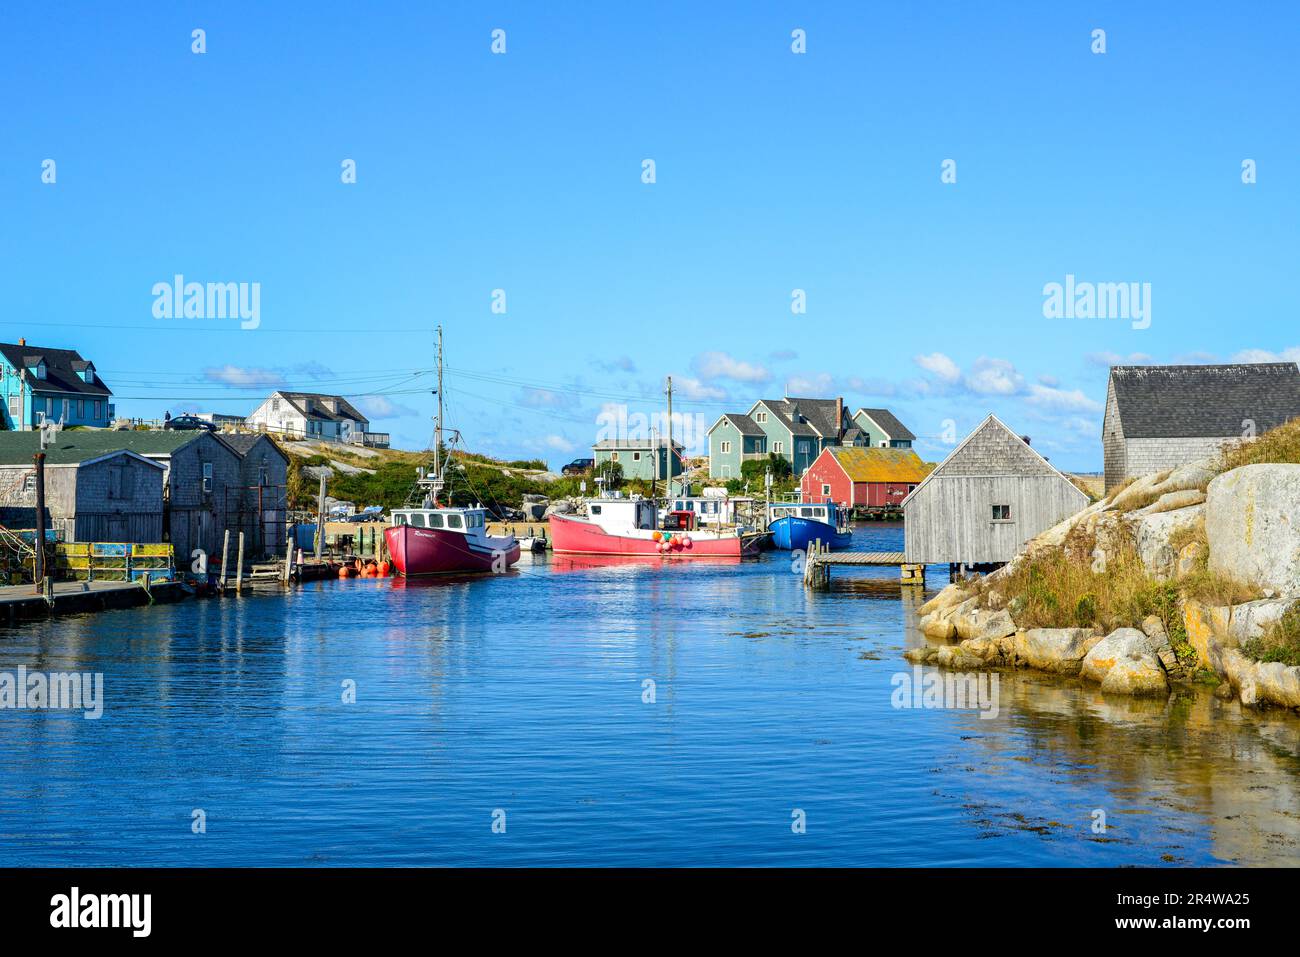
<point x="24" y="602"/>
<point x="819" y="559"/>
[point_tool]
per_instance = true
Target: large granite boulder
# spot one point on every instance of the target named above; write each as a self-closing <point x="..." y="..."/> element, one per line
<point x="1141" y="675"/>
<point x="1252" y="521"/>
<point x="1120" y="644"/>
<point x="1152" y="532"/>
<point x="1052" y="649"/>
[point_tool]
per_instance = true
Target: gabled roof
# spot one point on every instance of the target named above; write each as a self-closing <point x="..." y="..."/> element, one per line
<point x="243" y="442"/>
<point x="879" y="465"/>
<point x="346" y="410"/>
<point x="743" y="423"/>
<point x="816" y="416"/>
<point x="1207" y="401"/>
<point x="987" y="451"/>
<point x="80" y="445"/>
<point x="888" y="423"/>
<point x="62" y="369"/>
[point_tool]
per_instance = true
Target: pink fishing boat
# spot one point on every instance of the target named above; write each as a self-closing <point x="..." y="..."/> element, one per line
<point x="429" y="538"/>
<point x="437" y="541"/>
<point x="630" y="526"/>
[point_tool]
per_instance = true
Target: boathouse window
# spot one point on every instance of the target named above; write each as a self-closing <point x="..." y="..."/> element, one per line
<point x="417" y="519"/>
<point x="454" y="521"/>
<point x="435" y="521"/>
<point x="1001" y="513"/>
<point x="826" y="489"/>
<point x="207" y="476"/>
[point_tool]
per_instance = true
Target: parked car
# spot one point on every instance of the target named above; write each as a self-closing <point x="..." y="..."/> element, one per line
<point x="579" y="467"/>
<point x="188" y="423"/>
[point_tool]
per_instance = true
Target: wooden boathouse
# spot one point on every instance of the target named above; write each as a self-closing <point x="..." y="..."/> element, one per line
<point x="985" y="500"/>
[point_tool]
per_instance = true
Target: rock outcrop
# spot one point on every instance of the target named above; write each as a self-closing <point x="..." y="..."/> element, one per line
<point x="1252" y="524"/>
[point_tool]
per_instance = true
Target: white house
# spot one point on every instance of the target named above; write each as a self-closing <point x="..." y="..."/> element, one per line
<point x="310" y="415"/>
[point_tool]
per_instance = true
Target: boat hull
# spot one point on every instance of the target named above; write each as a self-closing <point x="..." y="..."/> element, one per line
<point x="796" y="534"/>
<point x="431" y="551"/>
<point x="574" y="536"/>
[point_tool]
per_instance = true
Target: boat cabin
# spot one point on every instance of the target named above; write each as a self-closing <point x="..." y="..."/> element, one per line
<point x="710" y="510"/>
<point x="616" y="515"/>
<point x="447" y="519"/>
<point x="825" y="512"/>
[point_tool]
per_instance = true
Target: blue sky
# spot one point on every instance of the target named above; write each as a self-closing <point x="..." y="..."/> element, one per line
<point x="774" y="172"/>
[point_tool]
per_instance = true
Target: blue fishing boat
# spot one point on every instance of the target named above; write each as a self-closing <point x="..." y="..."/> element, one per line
<point x="795" y="526"/>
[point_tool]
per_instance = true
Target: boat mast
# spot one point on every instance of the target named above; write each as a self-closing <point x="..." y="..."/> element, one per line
<point x="434" y="483"/>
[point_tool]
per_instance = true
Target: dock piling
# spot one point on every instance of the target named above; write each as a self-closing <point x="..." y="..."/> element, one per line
<point x="239" y="566"/>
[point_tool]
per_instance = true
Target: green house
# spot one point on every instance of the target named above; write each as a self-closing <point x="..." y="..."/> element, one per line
<point x="638" y="457"/>
<point x="793" y="428"/>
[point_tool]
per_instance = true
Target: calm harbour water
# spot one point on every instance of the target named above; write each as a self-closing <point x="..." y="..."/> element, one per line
<point x="524" y="693"/>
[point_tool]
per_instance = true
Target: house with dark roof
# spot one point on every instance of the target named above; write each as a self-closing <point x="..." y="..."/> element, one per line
<point x="879" y="429"/>
<point x="312" y="415"/>
<point x="985" y="500"/>
<point x="797" y="430"/>
<point x="53" y="385"/>
<point x="1160" y="417"/>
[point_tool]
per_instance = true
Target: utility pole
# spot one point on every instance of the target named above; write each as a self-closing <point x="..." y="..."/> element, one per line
<point x="320" y="518"/>
<point x="669" y="390"/>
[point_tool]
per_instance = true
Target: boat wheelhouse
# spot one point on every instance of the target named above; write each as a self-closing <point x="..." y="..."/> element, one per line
<point x="796" y="525"/>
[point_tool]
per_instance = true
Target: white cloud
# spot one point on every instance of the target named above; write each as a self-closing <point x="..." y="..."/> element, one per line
<point x="694" y="389"/>
<point x="993" y="377"/>
<point x="380" y="407"/>
<point x="1263" y="355"/>
<point x="546" y="399"/>
<point x="720" y="365"/>
<point x="813" y="385"/>
<point x="559" y="443"/>
<point x="1061" y="400"/>
<point x="940" y="365"/>
<point x="243" y="377"/>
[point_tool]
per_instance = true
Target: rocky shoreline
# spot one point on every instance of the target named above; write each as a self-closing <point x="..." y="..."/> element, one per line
<point x="1242" y="526"/>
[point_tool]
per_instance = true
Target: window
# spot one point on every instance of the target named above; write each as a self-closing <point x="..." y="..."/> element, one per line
<point x="275" y="407"/>
<point x="778" y="447"/>
<point x="726" y="448"/>
<point x="435" y="521"/>
<point x="417" y="519"/>
<point x="806" y="513"/>
<point x="97" y="408"/>
<point x="826" y="489"/>
<point x="81" y="408"/>
<point x="636" y="456"/>
<point x="760" y="417"/>
<point x="594" y="509"/>
<point x="454" y="521"/>
<point x="119" y="482"/>
<point x="1001" y="513"/>
<point x="803" y="446"/>
<point x="261" y="474"/>
<point x="63" y="408"/>
<point x="399" y="518"/>
<point x="613" y="456"/>
<point x="207" y="476"/>
<point x="49" y="407"/>
<point x="29" y="484"/>
<point x="15" y="406"/>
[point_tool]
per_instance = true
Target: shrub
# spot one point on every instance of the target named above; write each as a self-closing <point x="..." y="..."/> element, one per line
<point x="1276" y="445"/>
<point x="1280" y="643"/>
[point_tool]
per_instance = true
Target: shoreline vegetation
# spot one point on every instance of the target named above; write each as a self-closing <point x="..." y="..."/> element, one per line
<point x="1191" y="575"/>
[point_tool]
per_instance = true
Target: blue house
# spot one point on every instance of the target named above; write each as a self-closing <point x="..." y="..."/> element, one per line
<point x="55" y="385"/>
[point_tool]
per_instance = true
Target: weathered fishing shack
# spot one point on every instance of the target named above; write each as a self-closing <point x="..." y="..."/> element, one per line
<point x="985" y="500"/>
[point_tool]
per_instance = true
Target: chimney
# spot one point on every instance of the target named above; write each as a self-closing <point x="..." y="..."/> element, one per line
<point x="22" y="342"/>
<point x="839" y="417"/>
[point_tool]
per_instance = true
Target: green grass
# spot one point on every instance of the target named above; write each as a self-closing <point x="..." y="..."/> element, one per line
<point x="1279" y="643"/>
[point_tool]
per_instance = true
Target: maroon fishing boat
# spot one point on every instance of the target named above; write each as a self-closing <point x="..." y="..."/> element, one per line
<point x="437" y="541"/>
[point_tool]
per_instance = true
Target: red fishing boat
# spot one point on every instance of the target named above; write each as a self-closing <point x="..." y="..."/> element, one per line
<point x="631" y="526"/>
<point x="432" y="538"/>
<point x="434" y="541"/>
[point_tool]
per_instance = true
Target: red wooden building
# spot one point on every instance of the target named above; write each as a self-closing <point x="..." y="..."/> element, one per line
<point x="863" y="477"/>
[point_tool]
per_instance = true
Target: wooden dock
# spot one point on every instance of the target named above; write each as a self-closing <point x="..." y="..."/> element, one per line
<point x="819" y="559"/>
<point x="25" y="602"/>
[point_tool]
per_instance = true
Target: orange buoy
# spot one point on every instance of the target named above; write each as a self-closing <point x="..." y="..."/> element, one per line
<point x="343" y="571"/>
<point x="384" y="569"/>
